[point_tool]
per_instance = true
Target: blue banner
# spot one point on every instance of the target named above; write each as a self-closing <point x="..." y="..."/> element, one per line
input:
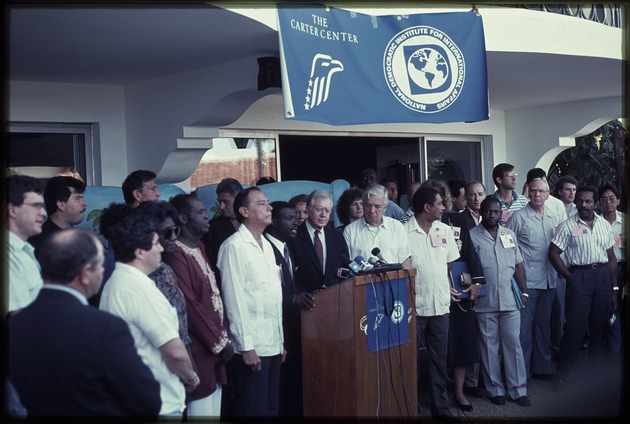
<point x="344" y="68"/>
<point x="387" y="322"/>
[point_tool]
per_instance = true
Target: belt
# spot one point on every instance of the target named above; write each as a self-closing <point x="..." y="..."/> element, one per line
<point x="589" y="266"/>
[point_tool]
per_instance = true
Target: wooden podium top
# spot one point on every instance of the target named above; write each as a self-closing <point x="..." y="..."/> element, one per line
<point x="375" y="277"/>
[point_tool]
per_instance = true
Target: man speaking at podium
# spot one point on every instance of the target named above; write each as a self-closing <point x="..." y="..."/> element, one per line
<point x="375" y="230"/>
<point x="433" y="249"/>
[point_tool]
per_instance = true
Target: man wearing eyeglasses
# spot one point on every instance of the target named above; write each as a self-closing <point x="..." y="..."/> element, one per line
<point x="25" y="215"/>
<point x="504" y="177"/>
<point x="609" y="200"/>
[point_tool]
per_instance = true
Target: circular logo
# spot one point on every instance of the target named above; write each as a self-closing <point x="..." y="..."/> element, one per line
<point x="424" y="69"/>
<point x="398" y="313"/>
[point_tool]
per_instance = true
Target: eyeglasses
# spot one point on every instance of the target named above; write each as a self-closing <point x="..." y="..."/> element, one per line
<point x="169" y="232"/>
<point x="511" y="174"/>
<point x="611" y="199"/>
<point x="37" y="205"/>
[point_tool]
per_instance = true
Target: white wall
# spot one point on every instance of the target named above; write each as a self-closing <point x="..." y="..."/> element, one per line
<point x="534" y="131"/>
<point x="78" y="103"/>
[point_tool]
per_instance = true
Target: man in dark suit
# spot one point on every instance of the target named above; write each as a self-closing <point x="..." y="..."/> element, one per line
<point x="283" y="228"/>
<point x="317" y="248"/>
<point x="69" y="359"/>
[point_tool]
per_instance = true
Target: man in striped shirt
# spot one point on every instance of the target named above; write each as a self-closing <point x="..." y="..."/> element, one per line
<point x="590" y="269"/>
<point x="504" y="177"/>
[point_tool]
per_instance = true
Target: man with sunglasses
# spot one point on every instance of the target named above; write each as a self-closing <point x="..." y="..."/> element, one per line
<point x="210" y="347"/>
<point x="504" y="177"/>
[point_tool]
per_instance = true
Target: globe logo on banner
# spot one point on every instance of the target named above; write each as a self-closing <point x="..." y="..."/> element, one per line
<point x="424" y="69"/>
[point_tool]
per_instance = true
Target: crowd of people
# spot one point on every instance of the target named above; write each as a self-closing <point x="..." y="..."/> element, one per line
<point x="179" y="315"/>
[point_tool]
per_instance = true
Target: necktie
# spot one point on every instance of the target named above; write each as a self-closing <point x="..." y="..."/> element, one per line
<point x="287" y="258"/>
<point x="319" y="250"/>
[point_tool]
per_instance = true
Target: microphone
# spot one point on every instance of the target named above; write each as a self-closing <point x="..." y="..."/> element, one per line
<point x="377" y="252"/>
<point x="364" y="265"/>
<point x="374" y="261"/>
<point x="353" y="266"/>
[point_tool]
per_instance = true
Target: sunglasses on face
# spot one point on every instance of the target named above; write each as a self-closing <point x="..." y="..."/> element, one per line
<point x="169" y="232"/>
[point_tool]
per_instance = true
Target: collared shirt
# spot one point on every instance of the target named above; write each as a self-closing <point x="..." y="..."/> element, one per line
<point x="571" y="211"/>
<point x="311" y="233"/>
<point x="25" y="279"/>
<point x="132" y="295"/>
<point x="430" y="254"/>
<point x="498" y="260"/>
<point x="281" y="246"/>
<point x="534" y="234"/>
<point x="556" y="206"/>
<point x="476" y="216"/>
<point x="407" y="216"/>
<point x="393" y="210"/>
<point x="252" y="293"/>
<point x="518" y="202"/>
<point x="619" y="236"/>
<point x="589" y="246"/>
<point x="390" y="237"/>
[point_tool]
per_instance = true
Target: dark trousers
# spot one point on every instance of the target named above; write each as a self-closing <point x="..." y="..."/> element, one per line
<point x="587" y="306"/>
<point x="432" y="333"/>
<point x="257" y="393"/>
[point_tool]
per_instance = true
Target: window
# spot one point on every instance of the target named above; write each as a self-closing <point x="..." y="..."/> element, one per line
<point x="453" y="158"/>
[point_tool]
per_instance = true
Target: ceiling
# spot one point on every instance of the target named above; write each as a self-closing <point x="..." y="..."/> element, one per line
<point x="125" y="45"/>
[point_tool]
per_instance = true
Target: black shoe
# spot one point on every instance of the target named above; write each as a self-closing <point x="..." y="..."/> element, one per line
<point x="542" y="377"/>
<point x="523" y="401"/>
<point x="463" y="407"/>
<point x="498" y="400"/>
<point x="474" y="391"/>
<point x="558" y="385"/>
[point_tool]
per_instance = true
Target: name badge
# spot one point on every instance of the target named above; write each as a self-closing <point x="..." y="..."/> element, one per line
<point x="507" y="241"/>
<point x="554" y="230"/>
<point x="456" y="232"/>
<point x="438" y="240"/>
<point x="505" y="215"/>
<point x="579" y="230"/>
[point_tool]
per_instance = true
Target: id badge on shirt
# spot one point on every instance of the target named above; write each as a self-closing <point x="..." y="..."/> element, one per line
<point x="507" y="241"/>
<point x="438" y="240"/>
<point x="579" y="230"/>
<point x="619" y="241"/>
<point x="456" y="232"/>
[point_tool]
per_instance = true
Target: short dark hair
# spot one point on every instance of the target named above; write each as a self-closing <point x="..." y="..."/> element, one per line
<point x="345" y="200"/>
<point x="63" y="254"/>
<point x="158" y="211"/>
<point x="229" y="185"/>
<point x="111" y="215"/>
<point x="300" y="198"/>
<point x="133" y="232"/>
<point x="17" y="186"/>
<point x="587" y="189"/>
<point x="565" y="179"/>
<point x="242" y="199"/>
<point x="423" y="196"/>
<point x="499" y="170"/>
<point x="278" y="206"/>
<point x="181" y="203"/>
<point x="534" y="173"/>
<point x="454" y="186"/>
<point x="609" y="186"/>
<point x="58" y="189"/>
<point x="135" y="181"/>
<point x="486" y="202"/>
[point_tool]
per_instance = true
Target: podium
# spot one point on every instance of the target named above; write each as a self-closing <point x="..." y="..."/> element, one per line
<point x="359" y="349"/>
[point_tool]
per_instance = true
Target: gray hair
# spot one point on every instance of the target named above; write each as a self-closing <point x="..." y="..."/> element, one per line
<point x="316" y="195"/>
<point x="375" y="190"/>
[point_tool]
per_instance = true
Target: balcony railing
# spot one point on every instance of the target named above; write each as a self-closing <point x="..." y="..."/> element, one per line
<point x="607" y="14"/>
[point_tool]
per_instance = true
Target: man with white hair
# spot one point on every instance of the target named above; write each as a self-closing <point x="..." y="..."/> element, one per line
<point x="376" y="230"/>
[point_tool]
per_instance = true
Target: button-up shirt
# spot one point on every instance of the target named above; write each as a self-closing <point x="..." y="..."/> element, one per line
<point x="390" y="237"/>
<point x="534" y="234"/>
<point x="252" y="293"/>
<point x="589" y="247"/>
<point x="619" y="236"/>
<point x="25" y="279"/>
<point x="430" y="258"/>
<point x="498" y="263"/>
